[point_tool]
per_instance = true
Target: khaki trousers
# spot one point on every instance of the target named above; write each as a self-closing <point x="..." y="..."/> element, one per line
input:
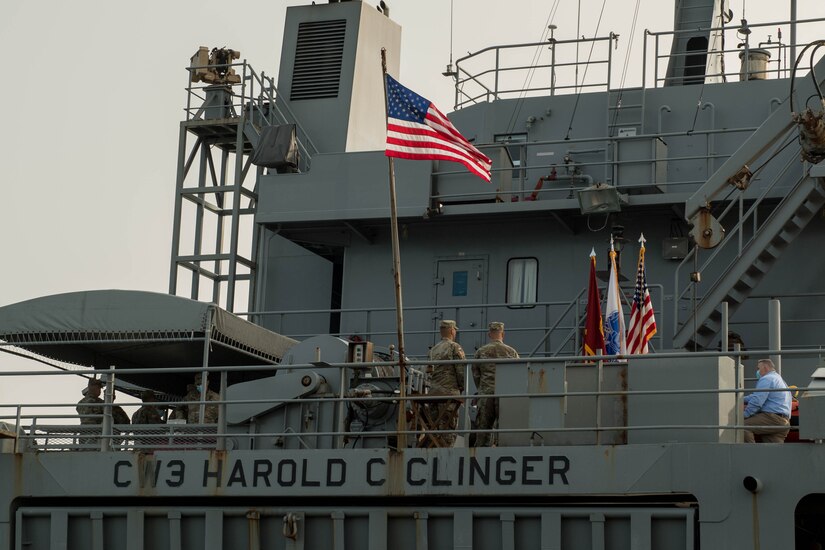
<point x="772" y="427"/>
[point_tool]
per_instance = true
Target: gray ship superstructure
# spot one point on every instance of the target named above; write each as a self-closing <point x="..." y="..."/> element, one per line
<point x="324" y="437"/>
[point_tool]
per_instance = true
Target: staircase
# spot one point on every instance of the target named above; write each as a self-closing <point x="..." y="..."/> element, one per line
<point x="787" y="221"/>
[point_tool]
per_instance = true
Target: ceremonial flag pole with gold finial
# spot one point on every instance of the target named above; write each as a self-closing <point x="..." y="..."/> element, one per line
<point x="593" y="329"/>
<point x="642" y="321"/>
<point x="614" y="333"/>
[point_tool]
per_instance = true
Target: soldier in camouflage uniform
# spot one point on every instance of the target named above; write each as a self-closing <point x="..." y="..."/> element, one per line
<point x="148" y="413"/>
<point x="210" y="415"/>
<point x="90" y="409"/>
<point x="447" y="380"/>
<point x="484" y="375"/>
<point x="119" y="418"/>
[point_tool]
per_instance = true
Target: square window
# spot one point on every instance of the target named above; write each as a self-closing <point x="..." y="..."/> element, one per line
<point x="459" y="283"/>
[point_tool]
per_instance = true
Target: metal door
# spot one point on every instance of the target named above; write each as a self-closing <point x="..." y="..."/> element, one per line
<point x="460" y="291"/>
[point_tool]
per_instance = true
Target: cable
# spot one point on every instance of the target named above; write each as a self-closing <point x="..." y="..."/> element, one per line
<point x="773" y="156"/>
<point x="606" y="218"/>
<point x="35" y="358"/>
<point x="626" y="63"/>
<point x="698" y="106"/>
<point x="528" y="79"/>
<point x="755" y="172"/>
<point x="816" y="43"/>
<point x="578" y="34"/>
<point x="590" y="55"/>
<point x="722" y="34"/>
<point x="813" y="68"/>
<point x="630" y="42"/>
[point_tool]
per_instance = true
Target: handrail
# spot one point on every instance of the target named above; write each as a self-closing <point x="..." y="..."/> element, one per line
<point x="265" y="102"/>
<point x="550" y="330"/>
<point x="657" y="57"/>
<point x="590" y="168"/>
<point x="37" y="435"/>
<point x="738" y="230"/>
<point x="495" y="91"/>
<point x="272" y="94"/>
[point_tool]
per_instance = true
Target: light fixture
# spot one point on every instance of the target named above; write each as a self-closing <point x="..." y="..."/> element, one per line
<point x="619" y="240"/>
<point x="600" y="198"/>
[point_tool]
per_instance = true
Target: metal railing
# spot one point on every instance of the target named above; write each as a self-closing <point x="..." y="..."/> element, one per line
<point x="529" y="69"/>
<point x="585" y="160"/>
<point x="502" y="80"/>
<point x="256" y="97"/>
<point x="777" y="66"/>
<point x="745" y="230"/>
<point x="63" y="432"/>
<point x="563" y="320"/>
<point x="489" y="74"/>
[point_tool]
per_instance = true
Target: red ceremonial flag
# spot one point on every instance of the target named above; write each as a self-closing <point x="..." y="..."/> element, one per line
<point x="642" y="322"/>
<point x="593" y="328"/>
<point x="417" y="130"/>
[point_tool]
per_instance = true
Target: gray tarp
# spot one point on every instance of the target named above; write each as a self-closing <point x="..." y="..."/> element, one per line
<point x="277" y="148"/>
<point x="127" y="329"/>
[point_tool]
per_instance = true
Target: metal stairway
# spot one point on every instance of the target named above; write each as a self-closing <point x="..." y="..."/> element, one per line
<point x="784" y="224"/>
<point x="787" y="221"/>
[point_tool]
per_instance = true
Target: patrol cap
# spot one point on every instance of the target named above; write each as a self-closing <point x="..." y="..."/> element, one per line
<point x="448" y="324"/>
<point x="95" y="382"/>
<point x="496" y="326"/>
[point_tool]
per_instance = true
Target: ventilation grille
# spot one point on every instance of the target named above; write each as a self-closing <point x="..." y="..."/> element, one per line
<point x="318" y="57"/>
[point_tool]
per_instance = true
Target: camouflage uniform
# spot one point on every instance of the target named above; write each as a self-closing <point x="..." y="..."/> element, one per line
<point x="210" y="415"/>
<point x="446" y="380"/>
<point x="90" y="406"/>
<point x="484" y="375"/>
<point x="119" y="416"/>
<point x="147" y="414"/>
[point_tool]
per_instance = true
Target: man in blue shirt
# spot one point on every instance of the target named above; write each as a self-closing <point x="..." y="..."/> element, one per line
<point x="768" y="413"/>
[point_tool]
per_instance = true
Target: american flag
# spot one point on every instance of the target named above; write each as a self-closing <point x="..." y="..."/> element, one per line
<point x="642" y="323"/>
<point x="417" y="130"/>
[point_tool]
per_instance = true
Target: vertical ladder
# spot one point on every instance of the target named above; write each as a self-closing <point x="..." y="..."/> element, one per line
<point x="223" y="201"/>
<point x="625" y="117"/>
<point x="625" y="110"/>
<point x="220" y="200"/>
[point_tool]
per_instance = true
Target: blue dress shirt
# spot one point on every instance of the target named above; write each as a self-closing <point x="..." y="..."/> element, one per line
<point x="777" y="402"/>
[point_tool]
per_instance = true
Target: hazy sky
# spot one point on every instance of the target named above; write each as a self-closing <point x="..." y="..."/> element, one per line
<point x="93" y="94"/>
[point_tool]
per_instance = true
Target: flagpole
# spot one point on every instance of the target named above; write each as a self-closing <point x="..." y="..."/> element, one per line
<point x="396" y="271"/>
